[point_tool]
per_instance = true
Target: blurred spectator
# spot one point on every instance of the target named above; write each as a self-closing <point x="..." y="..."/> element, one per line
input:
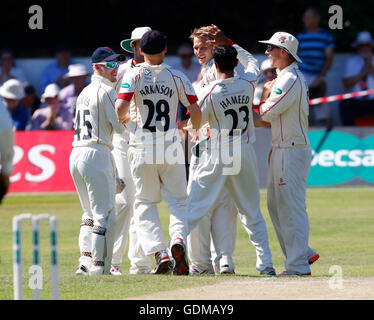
<point x="316" y="50"/>
<point x="359" y="75"/>
<point x="187" y="64"/>
<point x="8" y="68"/>
<point x="54" y="72"/>
<point x="27" y="105"/>
<point x="30" y="100"/>
<point x="68" y="96"/>
<point x="52" y="117"/>
<point x="21" y="117"/>
<point x="12" y="92"/>
<point x="269" y="73"/>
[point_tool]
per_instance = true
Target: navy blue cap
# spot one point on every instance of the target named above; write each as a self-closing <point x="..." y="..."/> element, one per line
<point x="153" y="42"/>
<point x="106" y="54"/>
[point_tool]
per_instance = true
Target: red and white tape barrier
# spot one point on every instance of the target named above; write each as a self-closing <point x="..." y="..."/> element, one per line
<point x="341" y="97"/>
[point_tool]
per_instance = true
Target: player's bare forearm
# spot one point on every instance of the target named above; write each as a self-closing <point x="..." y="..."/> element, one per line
<point x="122" y="108"/>
<point x="258" y="122"/>
<point x="195" y="114"/>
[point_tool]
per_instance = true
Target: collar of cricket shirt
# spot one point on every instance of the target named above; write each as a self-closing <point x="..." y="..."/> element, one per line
<point x="286" y="69"/>
<point x="155" y="68"/>
<point x="228" y="80"/>
<point x="96" y="77"/>
<point x="208" y="65"/>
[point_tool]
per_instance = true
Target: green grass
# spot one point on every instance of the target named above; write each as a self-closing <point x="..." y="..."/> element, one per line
<point x="341" y="230"/>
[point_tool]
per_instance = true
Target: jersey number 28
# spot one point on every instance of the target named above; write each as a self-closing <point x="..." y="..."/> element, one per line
<point x="162" y="115"/>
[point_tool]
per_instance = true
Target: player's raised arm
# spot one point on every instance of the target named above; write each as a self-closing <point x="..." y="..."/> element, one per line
<point x="248" y="61"/>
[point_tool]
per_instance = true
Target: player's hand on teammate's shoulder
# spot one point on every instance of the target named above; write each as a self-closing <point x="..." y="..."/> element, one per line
<point x="268" y="86"/>
<point x="217" y="34"/>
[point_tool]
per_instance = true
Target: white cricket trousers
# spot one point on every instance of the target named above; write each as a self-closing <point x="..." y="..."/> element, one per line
<point x="286" y="192"/>
<point x="207" y="184"/>
<point x="154" y="182"/>
<point x="125" y="224"/>
<point x="211" y="243"/>
<point x="93" y="171"/>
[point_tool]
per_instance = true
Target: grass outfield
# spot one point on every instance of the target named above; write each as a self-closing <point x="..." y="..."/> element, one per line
<point x="341" y="231"/>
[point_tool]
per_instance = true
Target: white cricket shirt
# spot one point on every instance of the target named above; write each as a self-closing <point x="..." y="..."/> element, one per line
<point x="228" y="106"/>
<point x="95" y="116"/>
<point x="287" y="109"/>
<point x="154" y="93"/>
<point x="210" y="76"/>
<point x="6" y="140"/>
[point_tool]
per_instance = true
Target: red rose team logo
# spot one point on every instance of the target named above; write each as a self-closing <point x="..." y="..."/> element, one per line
<point x="282" y="39"/>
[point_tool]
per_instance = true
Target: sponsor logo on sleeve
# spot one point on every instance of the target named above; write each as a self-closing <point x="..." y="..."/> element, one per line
<point x="277" y="91"/>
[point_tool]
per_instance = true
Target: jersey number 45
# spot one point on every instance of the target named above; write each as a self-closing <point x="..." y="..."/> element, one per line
<point x="79" y="125"/>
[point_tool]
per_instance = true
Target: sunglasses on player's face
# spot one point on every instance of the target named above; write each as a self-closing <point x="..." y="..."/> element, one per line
<point x="110" y="64"/>
<point x="270" y="47"/>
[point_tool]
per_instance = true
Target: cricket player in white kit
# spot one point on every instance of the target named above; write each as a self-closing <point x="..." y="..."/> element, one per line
<point x="6" y="148"/>
<point x="92" y="165"/>
<point x="125" y="224"/>
<point x="224" y="212"/>
<point x="227" y="107"/>
<point x="10" y="94"/>
<point x="285" y="104"/>
<point x="156" y="90"/>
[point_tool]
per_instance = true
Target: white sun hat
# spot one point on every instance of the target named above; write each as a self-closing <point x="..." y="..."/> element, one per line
<point x="266" y="64"/>
<point x="286" y="41"/>
<point x="12" y="89"/>
<point x="136" y="34"/>
<point x="50" y="91"/>
<point x="76" y="70"/>
<point x="363" y="37"/>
